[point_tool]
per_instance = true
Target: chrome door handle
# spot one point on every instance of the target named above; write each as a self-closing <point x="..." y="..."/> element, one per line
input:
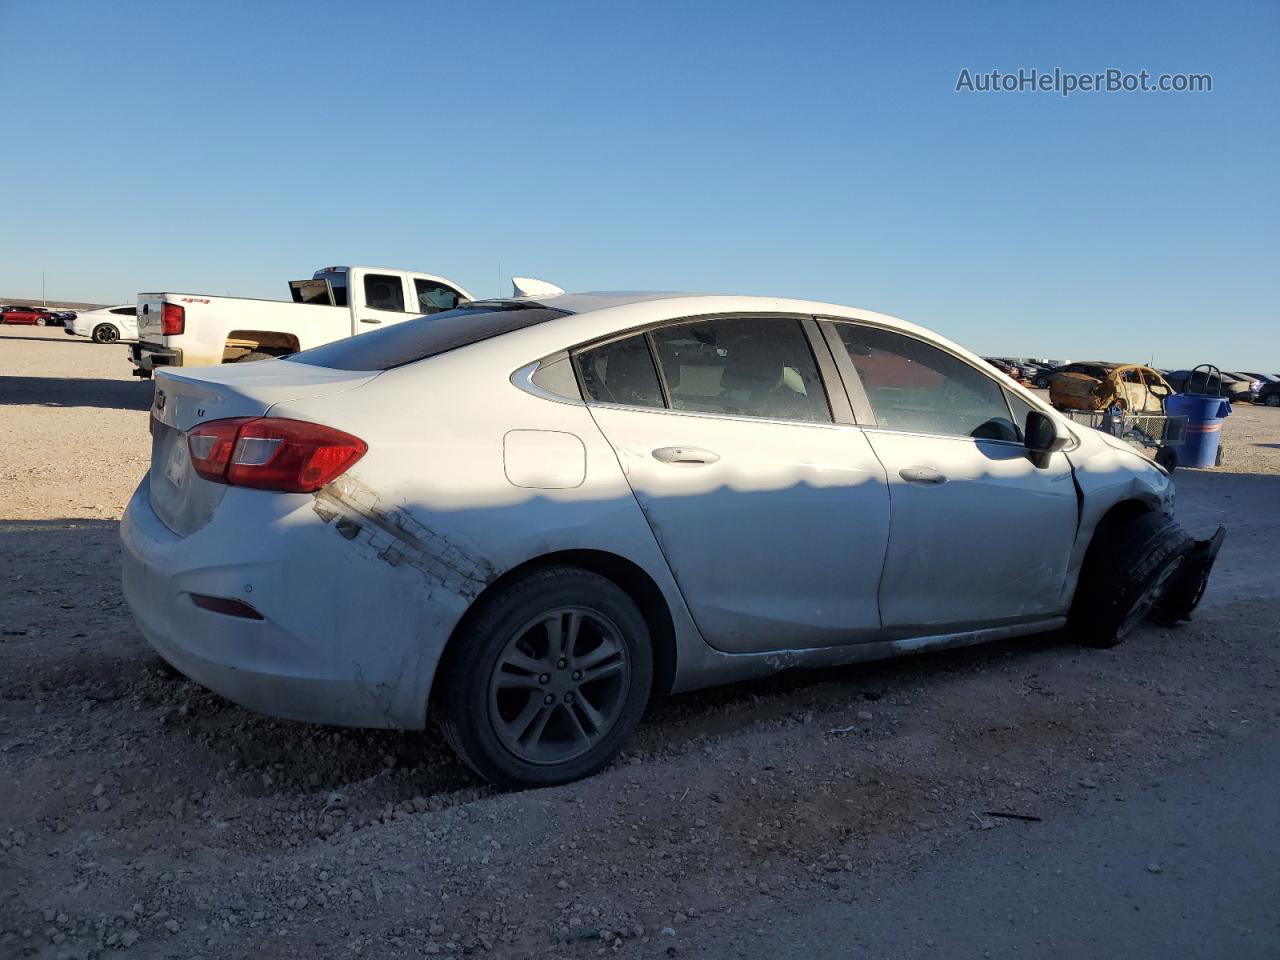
<point x="686" y="455"/>
<point x="921" y="475"/>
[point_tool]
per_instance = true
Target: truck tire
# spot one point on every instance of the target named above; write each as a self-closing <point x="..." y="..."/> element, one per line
<point x="254" y="356"/>
<point x="546" y="681"/>
<point x="1126" y="572"/>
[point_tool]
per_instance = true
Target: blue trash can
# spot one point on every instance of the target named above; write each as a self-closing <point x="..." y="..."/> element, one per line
<point x="1204" y="426"/>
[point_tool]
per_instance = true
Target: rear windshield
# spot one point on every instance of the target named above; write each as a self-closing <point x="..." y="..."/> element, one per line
<point x="428" y="336"/>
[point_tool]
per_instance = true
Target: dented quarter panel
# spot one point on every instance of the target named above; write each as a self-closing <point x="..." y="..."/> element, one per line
<point x="432" y="500"/>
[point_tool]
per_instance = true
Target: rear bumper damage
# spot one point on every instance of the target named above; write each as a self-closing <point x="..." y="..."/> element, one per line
<point x="361" y="655"/>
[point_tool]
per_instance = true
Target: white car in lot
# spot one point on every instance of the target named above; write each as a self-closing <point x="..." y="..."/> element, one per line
<point x="106" y="324"/>
<point x="528" y="517"/>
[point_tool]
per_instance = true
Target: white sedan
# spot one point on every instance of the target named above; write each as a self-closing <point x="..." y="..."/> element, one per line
<point x="106" y="324"/>
<point x="528" y="517"/>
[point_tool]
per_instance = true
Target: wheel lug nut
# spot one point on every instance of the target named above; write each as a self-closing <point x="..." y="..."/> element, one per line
<point x="562" y="664"/>
<point x="568" y="698"/>
<point x="577" y="674"/>
<point x="545" y="678"/>
<point x="548" y="699"/>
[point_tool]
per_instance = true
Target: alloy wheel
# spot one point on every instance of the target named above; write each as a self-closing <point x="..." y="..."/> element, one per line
<point x="559" y="685"/>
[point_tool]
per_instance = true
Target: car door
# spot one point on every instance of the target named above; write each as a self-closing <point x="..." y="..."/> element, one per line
<point x="772" y="514"/>
<point x="979" y="535"/>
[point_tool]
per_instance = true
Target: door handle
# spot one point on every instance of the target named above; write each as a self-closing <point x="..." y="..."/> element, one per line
<point x="921" y="475"/>
<point x="686" y="455"/>
<point x="368" y="320"/>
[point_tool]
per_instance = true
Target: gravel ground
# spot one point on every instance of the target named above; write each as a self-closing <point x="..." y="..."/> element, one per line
<point x="140" y="813"/>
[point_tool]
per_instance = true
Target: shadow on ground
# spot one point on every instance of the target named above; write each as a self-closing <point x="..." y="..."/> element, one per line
<point x="76" y="392"/>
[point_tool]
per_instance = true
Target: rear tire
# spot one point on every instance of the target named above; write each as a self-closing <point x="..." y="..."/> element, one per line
<point x="1272" y="400"/>
<point x="1126" y="571"/>
<point x="547" y="680"/>
<point x="41" y="322"/>
<point x="105" y="333"/>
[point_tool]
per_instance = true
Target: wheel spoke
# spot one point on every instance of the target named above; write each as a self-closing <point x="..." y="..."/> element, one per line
<point x="580" y="732"/>
<point x="608" y="647"/>
<point x="516" y="681"/>
<point x="533" y="735"/>
<point x="594" y="717"/>
<point x="517" y="658"/>
<point x="517" y="727"/>
<point x="600" y="671"/>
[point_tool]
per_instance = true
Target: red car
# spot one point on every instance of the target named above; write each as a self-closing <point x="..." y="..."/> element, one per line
<point x="38" y="316"/>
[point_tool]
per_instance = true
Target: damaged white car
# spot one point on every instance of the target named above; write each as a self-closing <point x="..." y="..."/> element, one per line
<point x="529" y="517"/>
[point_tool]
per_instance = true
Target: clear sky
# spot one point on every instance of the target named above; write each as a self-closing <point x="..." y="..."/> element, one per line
<point x="799" y="149"/>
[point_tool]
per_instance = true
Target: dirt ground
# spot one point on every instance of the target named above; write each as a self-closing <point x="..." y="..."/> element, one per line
<point x="140" y="813"/>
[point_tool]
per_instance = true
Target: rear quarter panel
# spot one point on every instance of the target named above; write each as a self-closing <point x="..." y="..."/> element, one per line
<point x="436" y="501"/>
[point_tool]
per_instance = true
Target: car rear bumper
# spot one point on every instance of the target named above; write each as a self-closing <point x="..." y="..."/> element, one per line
<point x="337" y="644"/>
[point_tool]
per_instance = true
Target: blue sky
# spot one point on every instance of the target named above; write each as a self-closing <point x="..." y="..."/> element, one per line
<point x="799" y="149"/>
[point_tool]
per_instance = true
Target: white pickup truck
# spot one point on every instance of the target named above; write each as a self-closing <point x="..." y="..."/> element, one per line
<point x="187" y="330"/>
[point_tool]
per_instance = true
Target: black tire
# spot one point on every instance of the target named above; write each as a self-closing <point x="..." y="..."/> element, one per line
<point x="255" y="355"/>
<point x="1041" y="382"/>
<point x="1167" y="457"/>
<point x="470" y="713"/>
<point x="1217" y="458"/>
<point x="41" y="322"/>
<point x="1125" y="572"/>
<point x="105" y="333"/>
<point x="1272" y="400"/>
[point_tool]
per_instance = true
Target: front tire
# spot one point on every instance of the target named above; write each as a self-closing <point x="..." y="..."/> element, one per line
<point x="105" y="333"/>
<point x="1272" y="400"/>
<point x="1126" y="573"/>
<point x="547" y="679"/>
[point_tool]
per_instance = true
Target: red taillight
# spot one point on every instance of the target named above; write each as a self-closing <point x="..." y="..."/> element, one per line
<point x="271" y="453"/>
<point x="173" y="320"/>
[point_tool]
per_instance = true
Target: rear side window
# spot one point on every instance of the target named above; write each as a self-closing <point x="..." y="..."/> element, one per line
<point x="425" y="337"/>
<point x="621" y="372"/>
<point x="383" y="292"/>
<point x="126" y="311"/>
<point x="744" y="367"/>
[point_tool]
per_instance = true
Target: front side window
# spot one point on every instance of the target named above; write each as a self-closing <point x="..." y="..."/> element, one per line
<point x="742" y="366"/>
<point x="434" y="297"/>
<point x="621" y="372"/>
<point x="383" y="292"/>
<point x="917" y="388"/>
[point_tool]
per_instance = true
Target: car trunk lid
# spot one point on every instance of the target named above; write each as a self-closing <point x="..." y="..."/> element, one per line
<point x="182" y="499"/>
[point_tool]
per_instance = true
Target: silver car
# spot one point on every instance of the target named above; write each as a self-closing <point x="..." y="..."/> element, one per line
<point x="529" y="517"/>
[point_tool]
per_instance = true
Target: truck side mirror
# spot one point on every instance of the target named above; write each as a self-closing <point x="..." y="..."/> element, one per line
<point x="1041" y="438"/>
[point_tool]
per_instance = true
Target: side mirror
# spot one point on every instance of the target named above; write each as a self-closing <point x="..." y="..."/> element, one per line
<point x="1042" y="438"/>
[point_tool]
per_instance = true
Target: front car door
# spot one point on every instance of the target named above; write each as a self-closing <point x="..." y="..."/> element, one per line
<point x="772" y="515"/>
<point x="979" y="535"/>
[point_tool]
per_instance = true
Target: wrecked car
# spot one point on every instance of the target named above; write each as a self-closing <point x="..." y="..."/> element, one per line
<point x="526" y="518"/>
<point x="1099" y="386"/>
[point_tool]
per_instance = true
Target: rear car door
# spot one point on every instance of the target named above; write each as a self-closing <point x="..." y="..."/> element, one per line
<point x="772" y="515"/>
<point x="979" y="535"/>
